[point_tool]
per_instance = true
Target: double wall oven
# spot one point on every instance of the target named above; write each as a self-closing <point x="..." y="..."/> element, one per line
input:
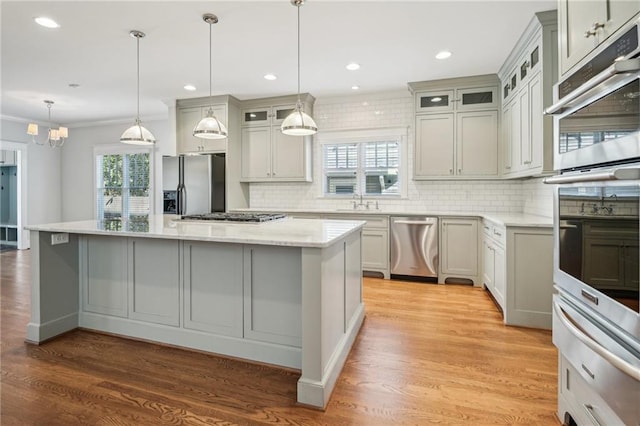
<point x="596" y="315"/>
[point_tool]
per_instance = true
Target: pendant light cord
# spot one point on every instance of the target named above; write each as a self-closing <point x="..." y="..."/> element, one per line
<point x="298" y="7"/>
<point x="138" y="78"/>
<point x="210" y="65"/>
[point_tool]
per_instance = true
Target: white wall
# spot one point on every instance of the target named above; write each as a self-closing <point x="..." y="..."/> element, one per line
<point x="42" y="201"/>
<point x="396" y="110"/>
<point x="78" y="159"/>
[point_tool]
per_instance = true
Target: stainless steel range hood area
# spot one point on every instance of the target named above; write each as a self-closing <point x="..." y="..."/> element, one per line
<point x="199" y="181"/>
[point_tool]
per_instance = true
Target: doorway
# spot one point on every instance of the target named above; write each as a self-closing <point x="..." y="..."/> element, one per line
<point x="13" y="197"/>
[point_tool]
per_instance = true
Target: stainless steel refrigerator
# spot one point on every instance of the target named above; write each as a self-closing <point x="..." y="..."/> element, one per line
<point x="199" y="181"/>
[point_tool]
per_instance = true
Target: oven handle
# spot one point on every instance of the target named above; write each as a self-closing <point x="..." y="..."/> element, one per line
<point x="619" y="67"/>
<point x="629" y="173"/>
<point x="613" y="359"/>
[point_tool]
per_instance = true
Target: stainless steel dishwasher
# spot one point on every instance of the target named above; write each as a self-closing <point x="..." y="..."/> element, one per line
<point x="414" y="247"/>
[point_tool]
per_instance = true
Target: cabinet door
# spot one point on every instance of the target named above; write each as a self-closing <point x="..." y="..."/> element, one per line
<point x="523" y="123"/>
<point x="506" y="140"/>
<point x="188" y="118"/>
<point x="287" y="156"/>
<point x="477" y="143"/>
<point x="488" y="271"/>
<point x="620" y="11"/>
<point x="515" y="135"/>
<point x="434" y="145"/>
<point x="375" y="249"/>
<point x="500" y="281"/>
<point x="256" y="153"/>
<point x="536" y="122"/>
<point x="434" y="101"/>
<point x="476" y="98"/>
<point x="104" y="275"/>
<point x="256" y="116"/>
<point x="281" y="112"/>
<point x="459" y="247"/>
<point x="576" y="17"/>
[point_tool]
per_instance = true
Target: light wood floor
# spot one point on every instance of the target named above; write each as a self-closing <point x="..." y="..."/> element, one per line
<point x="426" y="354"/>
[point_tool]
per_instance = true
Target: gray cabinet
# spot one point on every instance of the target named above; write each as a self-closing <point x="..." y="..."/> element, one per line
<point x="213" y="283"/>
<point x="103" y="275"/>
<point x="456" y="128"/>
<point x="527" y="77"/>
<point x="458" y="250"/>
<point x="273" y="294"/>
<point x="518" y="271"/>
<point x="154" y="287"/>
<point x="584" y="25"/>
<point x="268" y="155"/>
<point x="188" y="118"/>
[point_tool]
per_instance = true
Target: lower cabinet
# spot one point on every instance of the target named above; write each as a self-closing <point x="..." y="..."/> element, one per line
<point x="375" y="241"/>
<point x="518" y="271"/>
<point x="213" y="287"/>
<point x="458" y="251"/>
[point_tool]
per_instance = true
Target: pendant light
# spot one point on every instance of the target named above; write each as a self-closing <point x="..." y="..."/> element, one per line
<point x="137" y="134"/>
<point x="298" y="123"/>
<point x="210" y="127"/>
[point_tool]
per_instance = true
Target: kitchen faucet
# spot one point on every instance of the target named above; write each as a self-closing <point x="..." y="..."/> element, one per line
<point x="366" y="205"/>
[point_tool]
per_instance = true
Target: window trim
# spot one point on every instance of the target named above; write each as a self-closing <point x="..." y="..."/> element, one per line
<point x="123" y="149"/>
<point x="359" y="136"/>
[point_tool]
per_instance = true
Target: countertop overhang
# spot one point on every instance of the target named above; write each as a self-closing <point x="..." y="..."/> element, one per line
<point x="284" y="232"/>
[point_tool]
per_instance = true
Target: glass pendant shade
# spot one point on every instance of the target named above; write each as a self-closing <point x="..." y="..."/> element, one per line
<point x="137" y="135"/>
<point x="210" y="127"/>
<point x="299" y="123"/>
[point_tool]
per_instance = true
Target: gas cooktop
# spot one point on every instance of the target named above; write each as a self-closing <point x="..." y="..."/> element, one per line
<point x="235" y="217"/>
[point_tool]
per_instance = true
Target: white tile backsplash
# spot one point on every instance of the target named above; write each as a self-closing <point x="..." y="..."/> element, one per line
<point x="396" y="110"/>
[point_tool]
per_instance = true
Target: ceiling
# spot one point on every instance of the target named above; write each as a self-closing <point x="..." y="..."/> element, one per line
<point x="394" y="42"/>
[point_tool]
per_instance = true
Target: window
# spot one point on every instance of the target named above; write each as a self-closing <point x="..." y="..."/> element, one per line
<point x="123" y="185"/>
<point x="369" y="166"/>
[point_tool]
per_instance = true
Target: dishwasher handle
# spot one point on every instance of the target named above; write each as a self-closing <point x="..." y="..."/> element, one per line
<point x="414" y="222"/>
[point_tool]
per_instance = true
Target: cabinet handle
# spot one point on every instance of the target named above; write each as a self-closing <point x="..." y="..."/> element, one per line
<point x="459" y="171"/>
<point x="596" y="26"/>
<point x="589" y="33"/>
<point x="450" y="171"/>
<point x="592" y="414"/>
<point x="526" y="64"/>
<point x="527" y="162"/>
<point x="497" y="233"/>
<point x="486" y="227"/>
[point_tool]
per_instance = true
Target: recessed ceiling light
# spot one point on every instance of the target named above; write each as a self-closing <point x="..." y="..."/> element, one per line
<point x="355" y="87"/>
<point x="46" y="22"/>
<point x="353" y="66"/>
<point x="190" y="87"/>
<point x="74" y="85"/>
<point x="443" y="55"/>
<point x="270" y="77"/>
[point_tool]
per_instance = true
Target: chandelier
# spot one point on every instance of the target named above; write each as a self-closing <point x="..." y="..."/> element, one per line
<point x="55" y="137"/>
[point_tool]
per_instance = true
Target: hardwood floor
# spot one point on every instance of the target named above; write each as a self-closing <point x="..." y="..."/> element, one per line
<point x="426" y="354"/>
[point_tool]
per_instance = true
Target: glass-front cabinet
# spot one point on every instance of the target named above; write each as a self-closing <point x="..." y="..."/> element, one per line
<point x="458" y="99"/>
<point x="266" y="116"/>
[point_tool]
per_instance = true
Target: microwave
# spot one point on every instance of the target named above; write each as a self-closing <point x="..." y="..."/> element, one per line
<point x="596" y="109"/>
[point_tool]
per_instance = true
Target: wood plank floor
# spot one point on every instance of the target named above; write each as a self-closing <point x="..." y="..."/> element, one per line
<point x="426" y="354"/>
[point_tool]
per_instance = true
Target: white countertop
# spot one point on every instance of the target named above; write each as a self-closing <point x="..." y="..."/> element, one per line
<point x="506" y="219"/>
<point x="283" y="232"/>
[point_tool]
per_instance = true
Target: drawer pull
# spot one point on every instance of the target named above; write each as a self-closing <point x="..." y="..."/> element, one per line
<point x="612" y="358"/>
<point x="590" y="297"/>
<point x="584" y="367"/>
<point x="592" y="414"/>
<point x="497" y="233"/>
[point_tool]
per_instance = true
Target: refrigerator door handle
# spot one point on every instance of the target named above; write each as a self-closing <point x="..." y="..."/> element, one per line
<point x="613" y="359"/>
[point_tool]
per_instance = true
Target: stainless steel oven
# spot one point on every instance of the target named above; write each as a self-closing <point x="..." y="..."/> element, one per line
<point x="596" y="271"/>
<point x="597" y="108"/>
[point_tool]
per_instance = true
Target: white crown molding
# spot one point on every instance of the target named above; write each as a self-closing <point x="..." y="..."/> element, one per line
<point x="377" y="96"/>
<point x="128" y="120"/>
<point x="23" y="120"/>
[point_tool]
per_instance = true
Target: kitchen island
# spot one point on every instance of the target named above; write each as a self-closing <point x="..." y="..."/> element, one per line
<point x="286" y="292"/>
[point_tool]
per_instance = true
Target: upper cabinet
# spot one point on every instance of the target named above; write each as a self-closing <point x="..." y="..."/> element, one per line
<point x="456" y="128"/>
<point x="583" y="25"/>
<point x="190" y="111"/>
<point x="527" y="79"/>
<point x="268" y="155"/>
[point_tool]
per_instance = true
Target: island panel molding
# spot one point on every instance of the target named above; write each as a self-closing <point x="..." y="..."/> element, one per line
<point x="305" y="315"/>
